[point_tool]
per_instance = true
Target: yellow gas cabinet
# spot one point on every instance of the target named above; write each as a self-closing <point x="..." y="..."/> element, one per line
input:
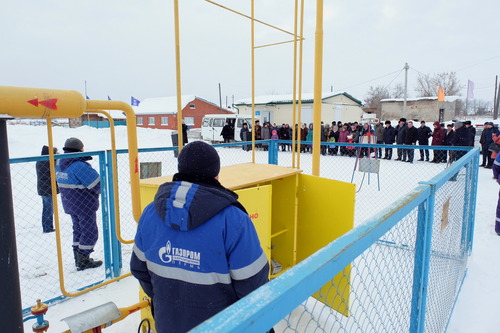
<point x="294" y="214"/>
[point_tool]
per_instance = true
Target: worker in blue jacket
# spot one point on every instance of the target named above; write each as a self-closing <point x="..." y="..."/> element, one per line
<point x="196" y="250"/>
<point x="79" y="185"/>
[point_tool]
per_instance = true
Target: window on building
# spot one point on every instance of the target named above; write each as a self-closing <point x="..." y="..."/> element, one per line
<point x="139" y="121"/>
<point x="164" y="121"/>
<point x="189" y="121"/>
<point x="151" y="121"/>
<point x="192" y="106"/>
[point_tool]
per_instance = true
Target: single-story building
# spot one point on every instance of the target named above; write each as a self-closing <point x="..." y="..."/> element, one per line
<point x="98" y="120"/>
<point x="422" y="108"/>
<point x="279" y="108"/>
<point x="161" y="112"/>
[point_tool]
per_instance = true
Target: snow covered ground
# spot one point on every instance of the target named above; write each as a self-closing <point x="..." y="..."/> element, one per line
<point x="477" y="306"/>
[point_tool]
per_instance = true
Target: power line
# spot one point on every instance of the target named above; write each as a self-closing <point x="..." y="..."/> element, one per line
<point x="365" y="82"/>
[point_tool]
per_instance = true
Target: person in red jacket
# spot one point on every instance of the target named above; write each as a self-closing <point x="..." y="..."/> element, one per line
<point x="438" y="136"/>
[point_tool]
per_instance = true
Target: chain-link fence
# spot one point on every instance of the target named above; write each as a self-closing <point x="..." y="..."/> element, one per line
<point x="40" y="275"/>
<point x="382" y="277"/>
<point x="406" y="263"/>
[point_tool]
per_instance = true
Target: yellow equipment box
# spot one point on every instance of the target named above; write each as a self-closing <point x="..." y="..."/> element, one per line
<point x="294" y="215"/>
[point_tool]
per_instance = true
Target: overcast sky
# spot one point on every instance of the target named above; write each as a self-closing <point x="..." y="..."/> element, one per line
<point x="125" y="48"/>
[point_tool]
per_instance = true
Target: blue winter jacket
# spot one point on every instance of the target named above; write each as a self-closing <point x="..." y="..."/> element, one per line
<point x="195" y="254"/>
<point x="79" y="185"/>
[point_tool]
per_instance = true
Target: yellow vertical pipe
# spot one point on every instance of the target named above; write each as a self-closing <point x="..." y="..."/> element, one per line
<point x="253" y="77"/>
<point x="55" y="204"/>
<point x="301" y="48"/>
<point x="295" y="133"/>
<point x="132" y="147"/>
<point x="114" y="167"/>
<point x="318" y="80"/>
<point x="178" y="75"/>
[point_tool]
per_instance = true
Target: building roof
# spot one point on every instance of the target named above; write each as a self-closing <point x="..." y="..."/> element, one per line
<point x="288" y="99"/>
<point x="165" y="105"/>
<point x="431" y="98"/>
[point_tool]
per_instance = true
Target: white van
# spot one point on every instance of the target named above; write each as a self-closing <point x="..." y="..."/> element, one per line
<point x="212" y="125"/>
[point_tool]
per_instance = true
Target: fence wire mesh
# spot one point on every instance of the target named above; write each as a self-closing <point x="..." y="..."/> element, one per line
<point x="381" y="281"/>
<point x="381" y="278"/>
<point x="37" y="252"/>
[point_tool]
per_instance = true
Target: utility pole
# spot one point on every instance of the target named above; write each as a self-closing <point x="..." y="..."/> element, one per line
<point x="220" y="98"/>
<point x="495" y="101"/>
<point x="406" y="89"/>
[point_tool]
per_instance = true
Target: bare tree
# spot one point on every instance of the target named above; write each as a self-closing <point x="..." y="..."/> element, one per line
<point x="398" y="91"/>
<point x="375" y="94"/>
<point x="427" y="85"/>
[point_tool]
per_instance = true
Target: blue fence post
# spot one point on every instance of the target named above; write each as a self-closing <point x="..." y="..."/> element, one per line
<point x="273" y="152"/>
<point x="115" y="245"/>
<point x="105" y="212"/>
<point x="422" y="262"/>
<point x="473" y="197"/>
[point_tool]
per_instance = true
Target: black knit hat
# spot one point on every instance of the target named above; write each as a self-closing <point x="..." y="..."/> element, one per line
<point x="73" y="144"/>
<point x="199" y="158"/>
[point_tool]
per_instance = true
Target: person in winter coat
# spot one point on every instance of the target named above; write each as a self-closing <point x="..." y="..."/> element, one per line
<point x="367" y="138"/>
<point x="266" y="135"/>
<point x="334" y="137"/>
<point x="80" y="187"/>
<point x="245" y="135"/>
<point x="424" y="133"/>
<point x="226" y="133"/>
<point x="448" y="138"/>
<point x="196" y="250"/>
<point x="44" y="189"/>
<point x="411" y="138"/>
<point x="379" y="133"/>
<point x="461" y="138"/>
<point x="343" y="134"/>
<point x="472" y="132"/>
<point x="303" y="137"/>
<point x="389" y="138"/>
<point x="486" y="141"/>
<point x="400" y="136"/>
<point x="496" y="176"/>
<point x="309" y="137"/>
<point x="184" y="133"/>
<point x="438" y="136"/>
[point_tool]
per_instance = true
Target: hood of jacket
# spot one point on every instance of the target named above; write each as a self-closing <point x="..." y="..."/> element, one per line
<point x="438" y="125"/>
<point x="185" y="205"/>
<point x="65" y="163"/>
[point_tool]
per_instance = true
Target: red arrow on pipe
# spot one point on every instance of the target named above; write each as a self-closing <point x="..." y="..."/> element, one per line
<point x="50" y="103"/>
<point x="34" y="102"/>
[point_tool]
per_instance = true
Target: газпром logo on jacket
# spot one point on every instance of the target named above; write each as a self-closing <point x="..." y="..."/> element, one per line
<point x="169" y="254"/>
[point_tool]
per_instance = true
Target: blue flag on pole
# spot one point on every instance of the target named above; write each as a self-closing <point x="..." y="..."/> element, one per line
<point x="109" y="98"/>
<point x="134" y="101"/>
<point x="87" y="97"/>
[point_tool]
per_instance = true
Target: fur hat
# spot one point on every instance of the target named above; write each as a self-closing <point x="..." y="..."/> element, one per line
<point x="199" y="158"/>
<point x="73" y="144"/>
<point x="458" y="124"/>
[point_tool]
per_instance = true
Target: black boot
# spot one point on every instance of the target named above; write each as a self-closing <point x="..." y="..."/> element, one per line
<point x="75" y="255"/>
<point x="84" y="261"/>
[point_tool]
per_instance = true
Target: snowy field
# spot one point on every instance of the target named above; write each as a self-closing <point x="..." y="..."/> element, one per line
<point x="477" y="304"/>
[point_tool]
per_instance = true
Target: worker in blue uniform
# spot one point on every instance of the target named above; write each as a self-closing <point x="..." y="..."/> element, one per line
<point x="196" y="250"/>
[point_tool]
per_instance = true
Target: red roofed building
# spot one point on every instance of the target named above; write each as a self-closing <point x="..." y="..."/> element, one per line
<point x="161" y="112"/>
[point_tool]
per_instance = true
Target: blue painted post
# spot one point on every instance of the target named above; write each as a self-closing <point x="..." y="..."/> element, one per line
<point x="422" y="262"/>
<point x="116" y="256"/>
<point x="105" y="212"/>
<point x="473" y="197"/>
<point x="273" y="152"/>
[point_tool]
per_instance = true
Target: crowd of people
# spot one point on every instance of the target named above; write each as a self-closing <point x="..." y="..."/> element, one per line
<point x="406" y="132"/>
